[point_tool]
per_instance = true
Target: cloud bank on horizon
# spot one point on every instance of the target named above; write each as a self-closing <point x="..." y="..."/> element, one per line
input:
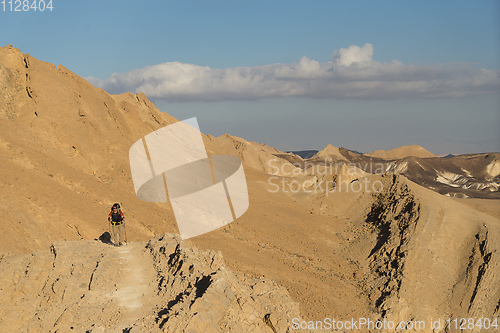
<point x="352" y="74"/>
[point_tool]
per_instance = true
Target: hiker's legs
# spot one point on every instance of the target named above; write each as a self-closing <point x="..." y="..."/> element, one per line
<point x="121" y="229"/>
<point x="114" y="236"/>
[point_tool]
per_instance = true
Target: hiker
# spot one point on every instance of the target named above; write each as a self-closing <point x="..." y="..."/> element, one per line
<point x="116" y="219"/>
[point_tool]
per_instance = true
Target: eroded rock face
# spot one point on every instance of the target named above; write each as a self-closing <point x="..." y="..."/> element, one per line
<point x="394" y="214"/>
<point x="200" y="294"/>
<point x="162" y="285"/>
<point x="432" y="258"/>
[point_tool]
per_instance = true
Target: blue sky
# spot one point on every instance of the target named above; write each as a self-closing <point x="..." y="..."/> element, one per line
<point x="403" y="72"/>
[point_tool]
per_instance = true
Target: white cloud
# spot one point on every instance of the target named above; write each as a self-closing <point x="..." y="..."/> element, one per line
<point x="354" y="55"/>
<point x="352" y="74"/>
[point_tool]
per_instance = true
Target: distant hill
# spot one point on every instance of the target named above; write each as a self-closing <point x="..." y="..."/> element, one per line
<point x="355" y="151"/>
<point x="402" y="152"/>
<point x="464" y="176"/>
<point x="330" y="153"/>
<point x="305" y="154"/>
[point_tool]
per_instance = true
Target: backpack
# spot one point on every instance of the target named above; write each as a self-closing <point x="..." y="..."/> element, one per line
<point x="116" y="205"/>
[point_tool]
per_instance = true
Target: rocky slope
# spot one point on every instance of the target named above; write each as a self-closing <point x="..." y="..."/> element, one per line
<point x="432" y="257"/>
<point x="159" y="286"/>
<point x="463" y="176"/>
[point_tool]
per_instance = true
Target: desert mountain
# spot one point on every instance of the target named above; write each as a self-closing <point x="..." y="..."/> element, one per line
<point x="464" y="176"/>
<point x="64" y="152"/>
<point x="383" y="247"/>
<point x="250" y="155"/>
<point x="266" y="148"/>
<point x="402" y="152"/>
<point x="330" y="153"/>
<point x="304" y="154"/>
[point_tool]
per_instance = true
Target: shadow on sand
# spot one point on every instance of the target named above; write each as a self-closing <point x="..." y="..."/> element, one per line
<point x="106" y="238"/>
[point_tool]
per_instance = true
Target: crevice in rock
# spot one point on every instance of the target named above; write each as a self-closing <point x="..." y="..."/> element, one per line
<point x="154" y="118"/>
<point x="93" y="272"/>
<point x="268" y="322"/>
<point x="59" y="318"/>
<point x="54" y="252"/>
<point x="485" y="256"/>
<point x="163" y="315"/>
<point x="202" y="285"/>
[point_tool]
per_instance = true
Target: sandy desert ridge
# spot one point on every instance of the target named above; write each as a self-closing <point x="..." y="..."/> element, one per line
<point x="423" y="247"/>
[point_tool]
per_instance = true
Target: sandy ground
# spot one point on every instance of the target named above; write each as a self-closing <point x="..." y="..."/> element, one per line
<point x="135" y="292"/>
<point x="294" y="240"/>
<point x="487" y="206"/>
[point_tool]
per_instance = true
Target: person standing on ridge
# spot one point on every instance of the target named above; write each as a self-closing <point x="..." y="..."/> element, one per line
<point x="116" y="218"/>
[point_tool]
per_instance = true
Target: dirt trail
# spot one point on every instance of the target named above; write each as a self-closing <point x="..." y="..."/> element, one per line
<point x="131" y="285"/>
<point x="83" y="283"/>
<point x="134" y="290"/>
